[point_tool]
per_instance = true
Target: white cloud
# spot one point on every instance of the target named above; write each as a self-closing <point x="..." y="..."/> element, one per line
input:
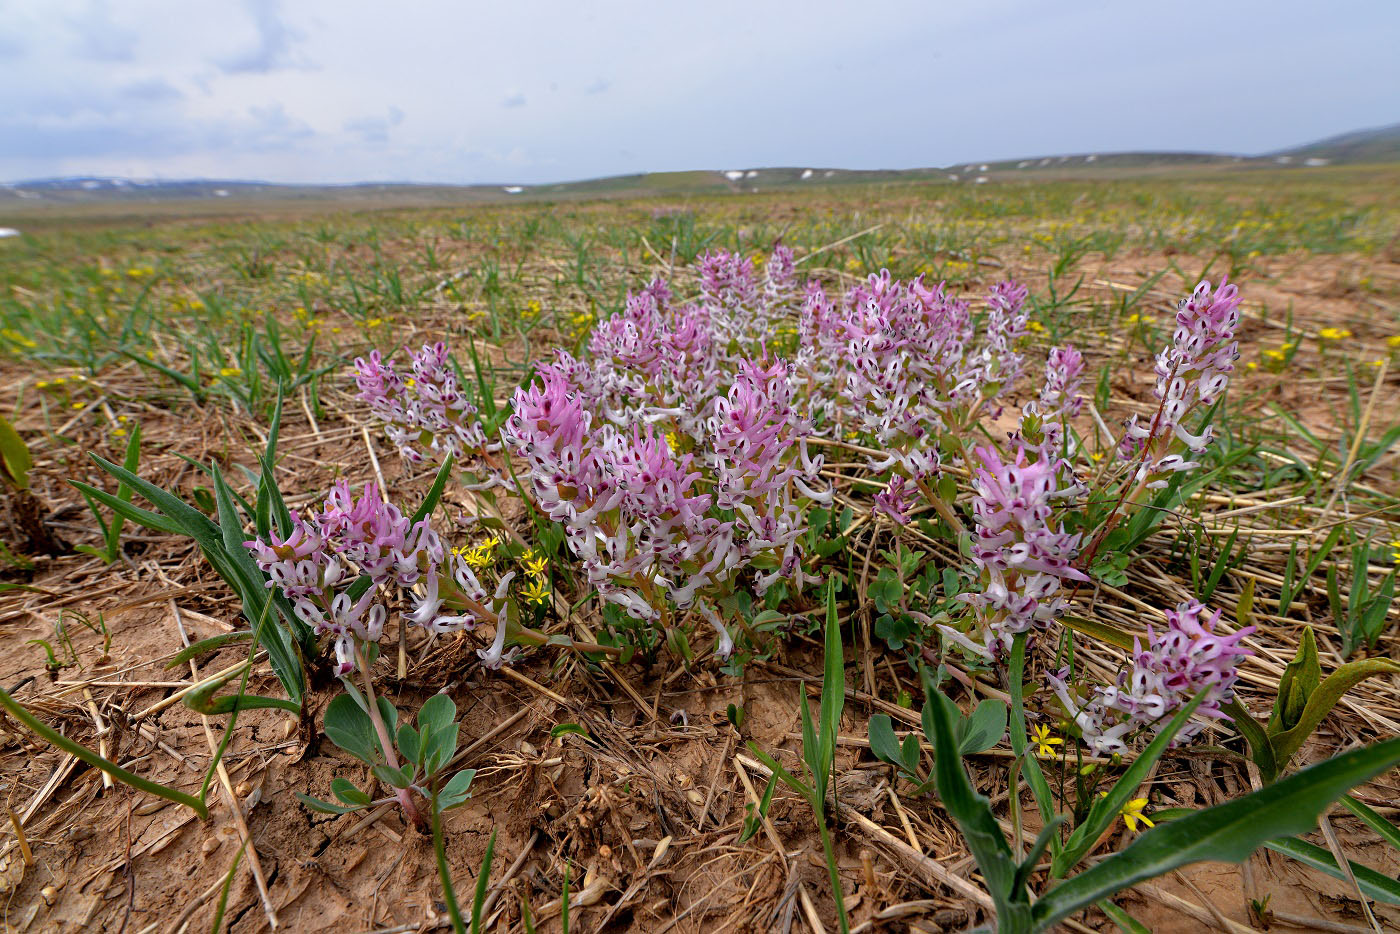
<point x="437" y="90"/>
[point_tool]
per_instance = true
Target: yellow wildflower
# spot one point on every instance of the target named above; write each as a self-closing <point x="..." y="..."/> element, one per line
<point x="1333" y="334"/>
<point x="230" y="371"/>
<point x="1393" y="342"/>
<point x="535" y="564"/>
<point x="1132" y="813"/>
<point x="537" y="592"/>
<point x="1045" y="743"/>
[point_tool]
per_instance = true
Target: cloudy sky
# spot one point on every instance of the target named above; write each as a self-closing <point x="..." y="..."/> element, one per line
<point x="532" y="91"/>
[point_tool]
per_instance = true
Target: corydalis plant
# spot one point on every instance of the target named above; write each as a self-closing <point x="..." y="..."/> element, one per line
<point x="1185" y="659"/>
<point x="1193" y="371"/>
<point x="425" y="411"/>
<point x="340" y="567"/>
<point x="1020" y="548"/>
<point x="658" y="527"/>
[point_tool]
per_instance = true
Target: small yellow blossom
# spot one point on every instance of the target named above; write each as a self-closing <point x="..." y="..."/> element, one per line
<point x="1036" y="326"/>
<point x="537" y="592"/>
<point x="1045" y="743"/>
<point x="230" y="371"/>
<point x="535" y="564"/>
<point x="1132" y="813"/>
<point x="1393" y="342"/>
<point x="1333" y="334"/>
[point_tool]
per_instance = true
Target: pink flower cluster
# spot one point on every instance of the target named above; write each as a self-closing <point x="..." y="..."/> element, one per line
<point x="648" y="520"/>
<point x="1059" y="400"/>
<point x="424" y="412"/>
<point x="1194" y="371"/>
<point x="1187" y="658"/>
<point x="1021" y="550"/>
<point x="909" y="363"/>
<point x="324" y="553"/>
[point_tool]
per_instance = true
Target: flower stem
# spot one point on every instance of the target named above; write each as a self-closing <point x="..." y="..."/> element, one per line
<point x="386" y="742"/>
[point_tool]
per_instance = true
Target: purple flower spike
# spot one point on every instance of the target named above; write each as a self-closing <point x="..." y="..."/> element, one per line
<point x="1022" y="551"/>
<point x="1187" y="658"/>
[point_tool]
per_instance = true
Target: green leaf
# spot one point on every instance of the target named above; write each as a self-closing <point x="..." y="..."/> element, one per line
<point x="1111" y="635"/>
<point x="973" y="814"/>
<point x="351" y="729"/>
<point x="1287" y="743"/>
<point x="1228" y="832"/>
<point x="457" y="789"/>
<point x="205" y="646"/>
<point x="1300" y="678"/>
<point x="1371" y="819"/>
<point x="1126" y="922"/>
<point x="1105" y="810"/>
<point x="400" y="777"/>
<point x="482" y="879"/>
<point x="325" y="807"/>
<point x="566" y="729"/>
<point x="410" y="744"/>
<point x="345" y="791"/>
<point x="883" y="743"/>
<point x="754" y="818"/>
<point x="437" y="713"/>
<point x="1261" y="750"/>
<point x="1035" y="777"/>
<point x="833" y="692"/>
<point x="984" y="728"/>
<point x="1371" y="883"/>
<point x="434" y="492"/>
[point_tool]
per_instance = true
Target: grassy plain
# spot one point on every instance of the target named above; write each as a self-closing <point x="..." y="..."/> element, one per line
<point x="182" y="318"/>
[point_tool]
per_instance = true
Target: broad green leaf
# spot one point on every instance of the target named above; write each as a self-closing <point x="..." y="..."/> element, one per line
<point x="439" y="747"/>
<point x="350" y="728"/>
<point x="457" y="789"/>
<point x="346" y="792"/>
<point x="1228" y="832"/>
<point x="400" y="777"/>
<point x="984" y="728"/>
<point x="1261" y="750"/>
<point x="437" y="713"/>
<point x="883" y="743"/>
<point x="410" y="744"/>
<point x="1324" y="699"/>
<point x="1371" y="883"/>
<point x="973" y="814"/>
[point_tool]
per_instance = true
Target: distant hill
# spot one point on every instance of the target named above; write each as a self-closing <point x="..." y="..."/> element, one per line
<point x="1381" y="144"/>
<point x="1375" y="145"/>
